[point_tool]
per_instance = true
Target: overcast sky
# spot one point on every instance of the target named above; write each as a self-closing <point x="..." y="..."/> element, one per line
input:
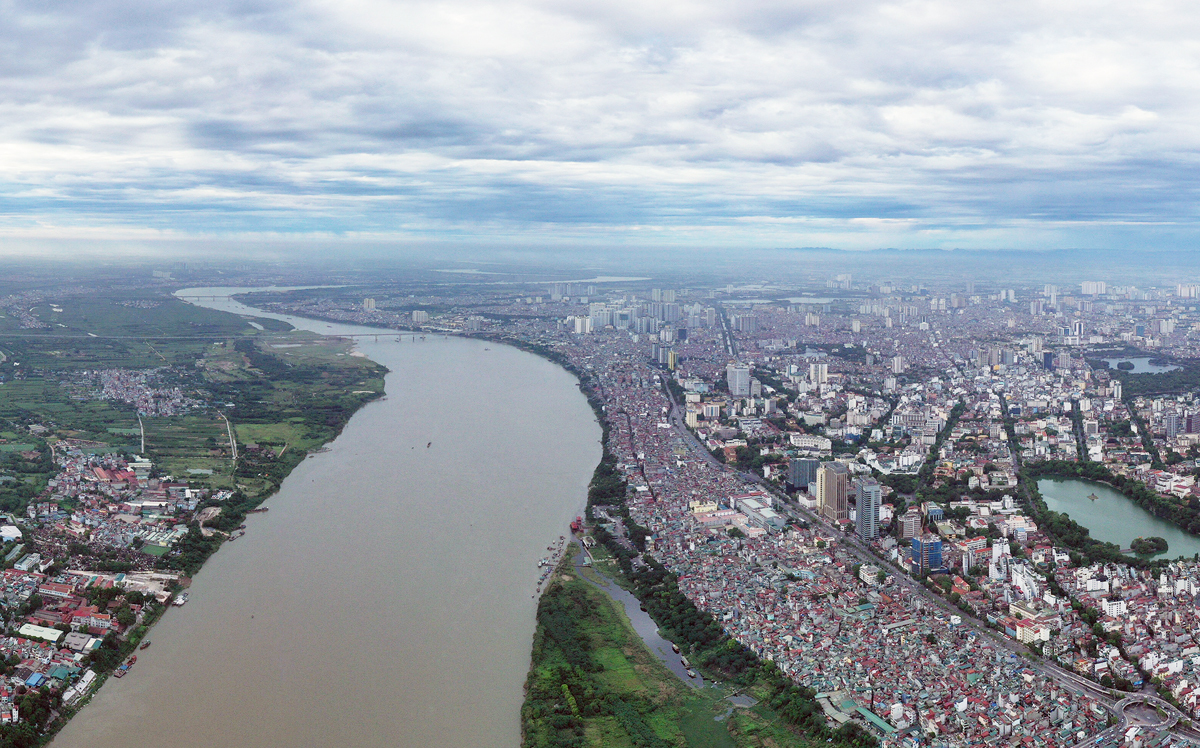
<point x="846" y="123"/>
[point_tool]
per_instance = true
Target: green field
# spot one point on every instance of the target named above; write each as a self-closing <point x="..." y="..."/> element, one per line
<point x="286" y="390"/>
<point x="621" y="695"/>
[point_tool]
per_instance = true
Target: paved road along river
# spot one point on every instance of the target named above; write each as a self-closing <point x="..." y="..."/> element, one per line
<point x="386" y="599"/>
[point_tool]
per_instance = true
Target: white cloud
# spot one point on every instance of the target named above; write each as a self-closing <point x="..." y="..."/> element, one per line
<point x="911" y="122"/>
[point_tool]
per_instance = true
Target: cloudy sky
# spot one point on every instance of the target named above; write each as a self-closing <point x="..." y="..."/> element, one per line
<point x="845" y="123"/>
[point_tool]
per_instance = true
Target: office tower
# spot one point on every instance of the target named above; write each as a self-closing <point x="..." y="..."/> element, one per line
<point x="420" y="317"/>
<point x="368" y="305"/>
<point x="898" y="365"/>
<point x="926" y="554"/>
<point x="818" y="373"/>
<point x="583" y="325"/>
<point x="738" y="378"/>
<point x="710" y="317"/>
<point x="833" y="481"/>
<point x="802" y="471"/>
<point x="866" y="521"/>
<point x="1171" y="425"/>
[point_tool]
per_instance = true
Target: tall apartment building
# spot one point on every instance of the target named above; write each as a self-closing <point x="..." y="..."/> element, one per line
<point x="833" y="483"/>
<point x="739" y="380"/>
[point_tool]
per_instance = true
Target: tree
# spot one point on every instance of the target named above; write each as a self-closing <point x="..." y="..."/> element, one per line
<point x="881" y="576"/>
<point x="125" y="617"/>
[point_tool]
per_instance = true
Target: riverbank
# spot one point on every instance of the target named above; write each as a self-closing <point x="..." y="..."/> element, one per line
<point x="593" y="682"/>
<point x="317" y="373"/>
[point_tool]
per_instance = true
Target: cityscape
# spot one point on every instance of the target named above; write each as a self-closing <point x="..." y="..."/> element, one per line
<point x="950" y="516"/>
<point x="563" y="374"/>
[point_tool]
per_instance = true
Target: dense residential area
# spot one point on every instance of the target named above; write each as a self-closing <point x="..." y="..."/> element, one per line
<point x="856" y="486"/>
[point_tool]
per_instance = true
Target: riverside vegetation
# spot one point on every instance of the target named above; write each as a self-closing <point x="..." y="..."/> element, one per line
<point x="286" y="392"/>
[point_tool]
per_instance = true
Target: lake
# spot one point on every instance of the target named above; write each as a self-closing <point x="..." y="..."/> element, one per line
<point x="1140" y="365"/>
<point x="388" y="597"/>
<point x="1113" y="517"/>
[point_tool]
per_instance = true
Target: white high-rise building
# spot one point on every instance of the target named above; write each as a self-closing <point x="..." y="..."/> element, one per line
<point x="866" y="519"/>
<point x="738" y="377"/>
<point x="818" y="373"/>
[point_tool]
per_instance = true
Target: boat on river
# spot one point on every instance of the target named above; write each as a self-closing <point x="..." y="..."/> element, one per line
<point x="145" y="644"/>
<point x="182" y="599"/>
<point x="1093" y="496"/>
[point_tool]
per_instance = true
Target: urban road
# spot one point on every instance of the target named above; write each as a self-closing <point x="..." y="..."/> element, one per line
<point x="1123" y="708"/>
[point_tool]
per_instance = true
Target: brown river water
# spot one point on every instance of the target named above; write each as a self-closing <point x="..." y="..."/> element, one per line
<point x="387" y="597"/>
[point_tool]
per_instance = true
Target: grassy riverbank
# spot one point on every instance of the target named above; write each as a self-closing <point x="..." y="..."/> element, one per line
<point x="592" y="682"/>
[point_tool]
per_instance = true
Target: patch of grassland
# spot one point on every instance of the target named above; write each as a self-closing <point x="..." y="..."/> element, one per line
<point x="593" y="682"/>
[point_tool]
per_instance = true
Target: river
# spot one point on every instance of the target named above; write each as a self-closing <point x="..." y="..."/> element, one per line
<point x="1113" y="517"/>
<point x="387" y="599"/>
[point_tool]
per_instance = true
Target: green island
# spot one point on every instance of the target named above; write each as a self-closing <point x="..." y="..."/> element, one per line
<point x="191" y="418"/>
<point x="1148" y="546"/>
